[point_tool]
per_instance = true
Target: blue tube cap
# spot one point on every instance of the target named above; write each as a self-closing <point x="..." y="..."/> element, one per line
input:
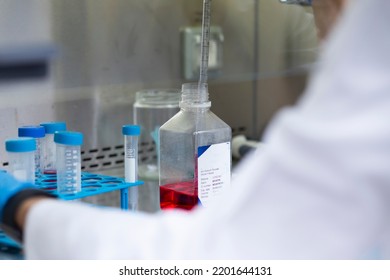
<point x="31" y="131"/>
<point x="52" y="127"/>
<point x="134" y="130"/>
<point x="20" y="145"/>
<point x="70" y="138"/>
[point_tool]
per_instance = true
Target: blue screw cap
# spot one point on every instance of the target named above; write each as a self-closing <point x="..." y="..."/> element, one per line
<point x="133" y="130"/>
<point x="20" y="145"/>
<point x="52" y="127"/>
<point x="31" y="131"/>
<point x="70" y="138"/>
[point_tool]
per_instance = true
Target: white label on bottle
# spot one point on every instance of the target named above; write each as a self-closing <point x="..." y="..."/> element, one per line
<point x="130" y="170"/>
<point x="213" y="171"/>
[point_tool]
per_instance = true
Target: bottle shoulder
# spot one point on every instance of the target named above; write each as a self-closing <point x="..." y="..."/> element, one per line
<point x="195" y="120"/>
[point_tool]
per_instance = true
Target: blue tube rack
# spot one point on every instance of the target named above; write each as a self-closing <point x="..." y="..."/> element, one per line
<point x="91" y="184"/>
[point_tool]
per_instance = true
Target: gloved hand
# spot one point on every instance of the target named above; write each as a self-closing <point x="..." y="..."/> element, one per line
<point x="9" y="186"/>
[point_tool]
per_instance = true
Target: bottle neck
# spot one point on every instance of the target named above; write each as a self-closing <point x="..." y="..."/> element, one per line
<point x="195" y="98"/>
<point x="195" y="107"/>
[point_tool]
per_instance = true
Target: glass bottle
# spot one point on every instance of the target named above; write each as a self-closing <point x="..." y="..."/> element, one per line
<point x="153" y="107"/>
<point x="195" y="153"/>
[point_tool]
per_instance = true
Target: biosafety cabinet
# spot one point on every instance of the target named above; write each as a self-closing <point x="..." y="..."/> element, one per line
<point x="82" y="62"/>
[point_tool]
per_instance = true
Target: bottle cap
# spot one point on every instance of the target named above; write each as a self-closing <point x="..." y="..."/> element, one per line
<point x="20" y="145"/>
<point x="70" y="138"/>
<point x="134" y="130"/>
<point x="31" y="131"/>
<point x="52" y="127"/>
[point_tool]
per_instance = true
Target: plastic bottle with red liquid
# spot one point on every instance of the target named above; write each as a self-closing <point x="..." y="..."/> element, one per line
<point x="195" y="153"/>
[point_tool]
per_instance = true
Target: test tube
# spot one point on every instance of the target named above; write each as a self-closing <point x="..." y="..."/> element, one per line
<point x="21" y="158"/>
<point x="130" y="196"/>
<point x="68" y="155"/>
<point x="38" y="133"/>
<point x="49" y="147"/>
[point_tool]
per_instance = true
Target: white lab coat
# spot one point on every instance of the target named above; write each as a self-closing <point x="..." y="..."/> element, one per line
<point x="320" y="190"/>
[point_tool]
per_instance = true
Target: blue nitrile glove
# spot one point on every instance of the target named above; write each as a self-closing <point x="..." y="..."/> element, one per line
<point x="9" y="186"/>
